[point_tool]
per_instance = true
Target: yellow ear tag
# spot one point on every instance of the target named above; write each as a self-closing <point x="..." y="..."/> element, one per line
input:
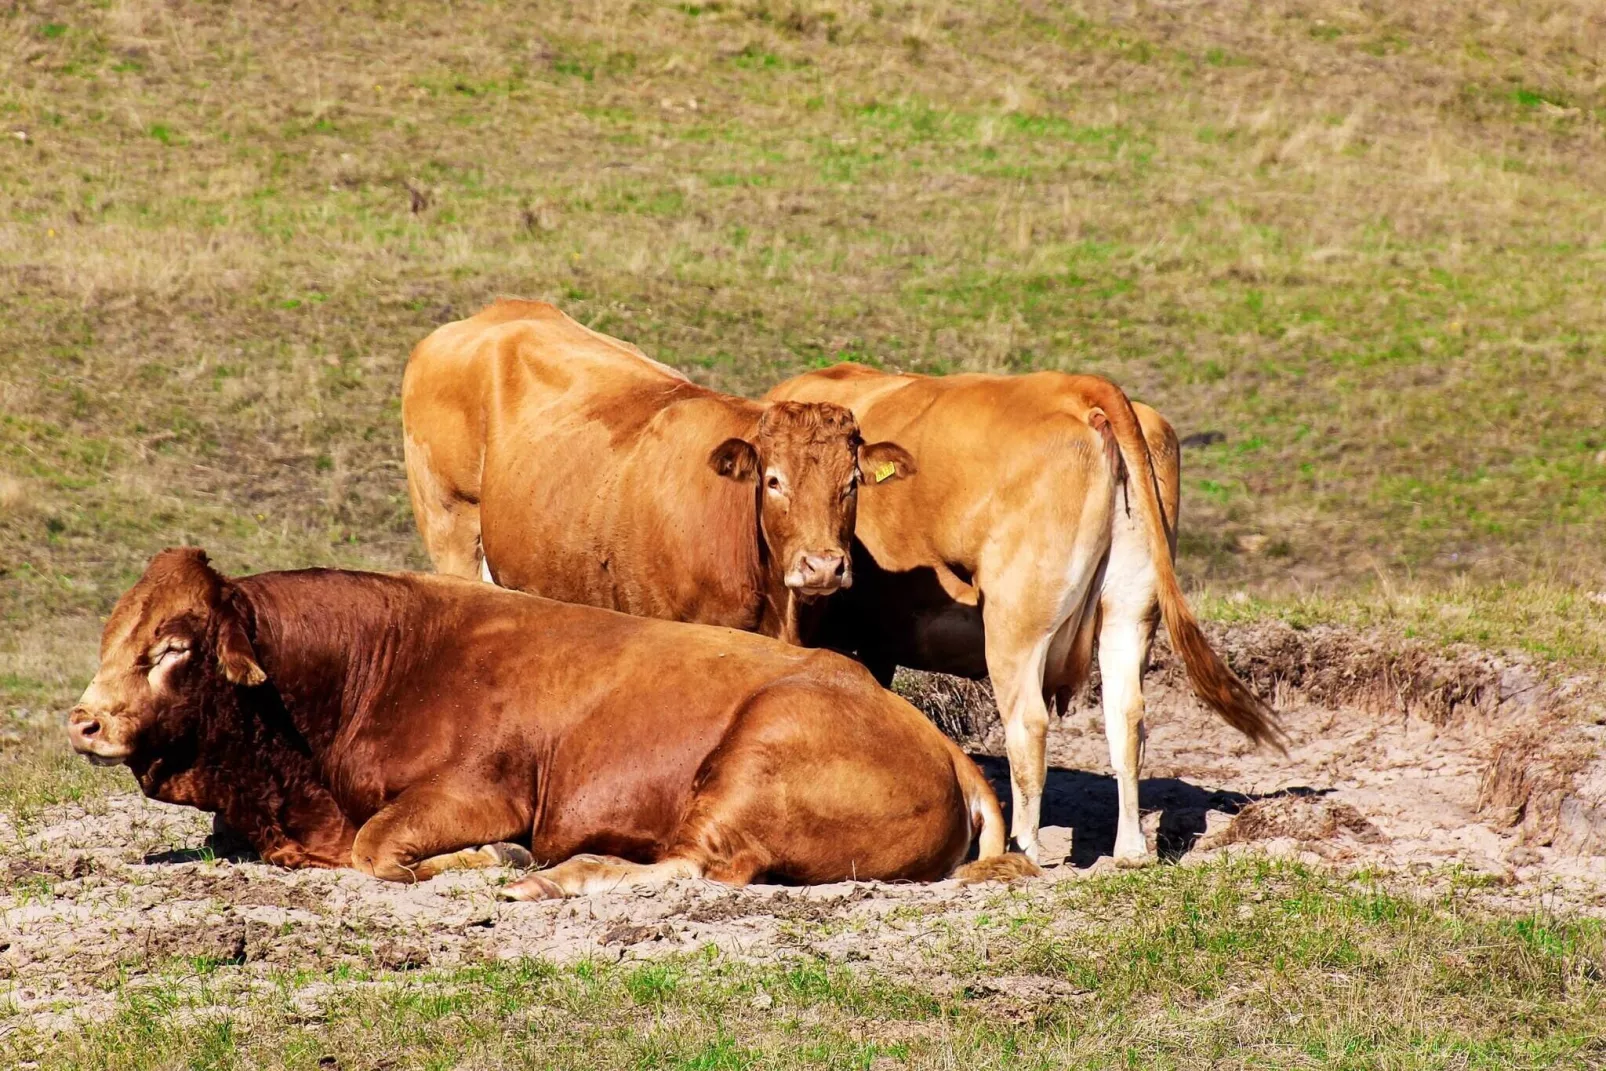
<point x="885" y="471"/>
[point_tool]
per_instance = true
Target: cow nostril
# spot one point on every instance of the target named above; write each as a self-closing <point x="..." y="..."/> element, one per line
<point x="841" y="566"/>
<point x="87" y="728"/>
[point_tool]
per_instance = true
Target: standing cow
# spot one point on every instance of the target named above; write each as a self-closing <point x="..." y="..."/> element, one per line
<point x="556" y="460"/>
<point x="1037" y="524"/>
<point x="409" y="724"/>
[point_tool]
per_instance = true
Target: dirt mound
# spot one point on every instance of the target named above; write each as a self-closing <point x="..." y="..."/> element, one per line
<point x="1305" y="818"/>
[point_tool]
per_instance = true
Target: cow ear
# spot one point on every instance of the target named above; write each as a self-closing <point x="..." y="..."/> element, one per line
<point x="735" y="459"/>
<point x="234" y="652"/>
<point x="880" y="462"/>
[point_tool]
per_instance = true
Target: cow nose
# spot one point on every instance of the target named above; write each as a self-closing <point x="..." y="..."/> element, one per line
<point x="822" y="572"/>
<point x="82" y="724"/>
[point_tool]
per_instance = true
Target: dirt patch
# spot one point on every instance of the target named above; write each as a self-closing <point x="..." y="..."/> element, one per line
<point x="68" y="939"/>
<point x="1406" y="730"/>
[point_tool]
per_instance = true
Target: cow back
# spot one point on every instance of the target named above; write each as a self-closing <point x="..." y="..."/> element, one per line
<point x="594" y="484"/>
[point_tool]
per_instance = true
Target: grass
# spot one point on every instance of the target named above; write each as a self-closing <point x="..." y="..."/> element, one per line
<point x="1247" y="963"/>
<point x="1549" y="620"/>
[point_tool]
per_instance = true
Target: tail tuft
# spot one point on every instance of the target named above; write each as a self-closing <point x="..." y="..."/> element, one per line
<point x="1009" y="867"/>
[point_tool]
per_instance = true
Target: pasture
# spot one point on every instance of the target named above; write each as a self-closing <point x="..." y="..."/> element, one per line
<point x="1355" y="250"/>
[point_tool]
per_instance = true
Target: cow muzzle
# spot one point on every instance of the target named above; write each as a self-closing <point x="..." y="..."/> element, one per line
<point x="818" y="574"/>
<point x="86" y="732"/>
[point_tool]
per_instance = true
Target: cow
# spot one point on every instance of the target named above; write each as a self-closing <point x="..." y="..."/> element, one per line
<point x="550" y="458"/>
<point x="1045" y="516"/>
<point x="406" y="724"/>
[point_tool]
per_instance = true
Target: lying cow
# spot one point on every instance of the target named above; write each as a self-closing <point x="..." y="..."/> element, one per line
<point x="409" y="724"/>
<point x="1036" y="525"/>
<point x="556" y="460"/>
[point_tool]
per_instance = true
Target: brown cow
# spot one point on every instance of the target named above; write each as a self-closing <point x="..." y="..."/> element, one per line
<point x="408" y="724"/>
<point x="556" y="460"/>
<point x="1037" y="524"/>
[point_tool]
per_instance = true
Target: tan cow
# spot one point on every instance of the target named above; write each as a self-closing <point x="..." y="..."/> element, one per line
<point x="409" y="724"/>
<point x="1037" y="524"/>
<point x="556" y="460"/>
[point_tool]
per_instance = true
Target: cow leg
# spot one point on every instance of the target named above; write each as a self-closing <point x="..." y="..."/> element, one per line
<point x="584" y="875"/>
<point x="1128" y="616"/>
<point x="1016" y="670"/>
<point x="502" y="853"/>
<point x="882" y="669"/>
<point x="453" y="542"/>
<point x="1023" y="622"/>
<point x="1126" y="622"/>
<point x="707" y="844"/>
<point x="448" y="522"/>
<point x="1123" y="652"/>
<point x="427" y="830"/>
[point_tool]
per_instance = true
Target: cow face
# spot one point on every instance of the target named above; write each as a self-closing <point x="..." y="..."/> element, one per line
<point x="808" y="460"/>
<point x="167" y="642"/>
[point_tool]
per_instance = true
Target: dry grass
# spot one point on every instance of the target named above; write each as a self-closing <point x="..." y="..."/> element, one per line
<point x="1364" y="241"/>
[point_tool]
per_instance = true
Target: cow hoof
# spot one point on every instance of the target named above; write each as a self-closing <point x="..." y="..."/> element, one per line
<point x="512" y="855"/>
<point x="1134" y="862"/>
<point x="534" y="887"/>
<point x="1031" y="851"/>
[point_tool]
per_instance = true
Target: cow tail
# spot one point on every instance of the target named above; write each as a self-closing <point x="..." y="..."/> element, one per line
<point x="1212" y="680"/>
<point x="992" y="863"/>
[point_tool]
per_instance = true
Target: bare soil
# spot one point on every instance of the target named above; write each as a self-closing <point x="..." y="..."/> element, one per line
<point x="1397" y="755"/>
<point x="1428" y="769"/>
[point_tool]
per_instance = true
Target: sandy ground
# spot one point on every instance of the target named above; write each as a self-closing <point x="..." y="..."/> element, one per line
<point x="1403" y="785"/>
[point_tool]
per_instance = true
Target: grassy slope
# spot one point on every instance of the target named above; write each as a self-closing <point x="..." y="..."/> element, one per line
<point x="1246" y="964"/>
<point x="1365" y="245"/>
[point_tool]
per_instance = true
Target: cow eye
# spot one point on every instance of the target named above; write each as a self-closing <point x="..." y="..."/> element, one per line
<point x="167" y="652"/>
<point x="773" y="483"/>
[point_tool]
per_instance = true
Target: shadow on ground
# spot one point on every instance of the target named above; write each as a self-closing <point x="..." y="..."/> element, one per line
<point x="1085" y="804"/>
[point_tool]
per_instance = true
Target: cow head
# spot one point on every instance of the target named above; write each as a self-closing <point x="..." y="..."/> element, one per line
<point x="808" y="460"/>
<point x="171" y="642"/>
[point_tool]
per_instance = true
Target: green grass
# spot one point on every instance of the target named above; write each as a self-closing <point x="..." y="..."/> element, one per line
<point x="1245" y="963"/>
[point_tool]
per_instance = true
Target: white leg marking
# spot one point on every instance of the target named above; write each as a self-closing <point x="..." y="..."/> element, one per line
<point x="1127" y="598"/>
<point x="1123" y="719"/>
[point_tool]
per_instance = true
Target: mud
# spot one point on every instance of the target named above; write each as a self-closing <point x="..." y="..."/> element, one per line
<point x="1428" y="767"/>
